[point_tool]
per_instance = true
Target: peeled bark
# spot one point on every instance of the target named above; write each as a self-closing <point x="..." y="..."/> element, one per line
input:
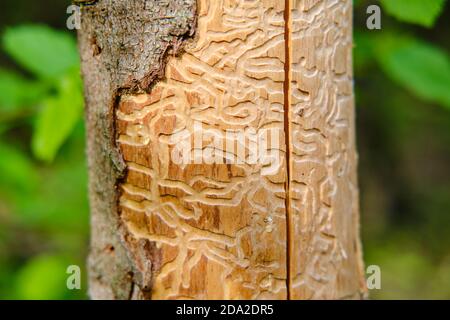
<point x="222" y="226"/>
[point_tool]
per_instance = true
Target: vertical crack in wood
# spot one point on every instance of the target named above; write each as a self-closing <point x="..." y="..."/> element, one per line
<point x="287" y="133"/>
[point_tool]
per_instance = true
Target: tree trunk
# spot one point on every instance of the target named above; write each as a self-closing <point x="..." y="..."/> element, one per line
<point x="221" y="149"/>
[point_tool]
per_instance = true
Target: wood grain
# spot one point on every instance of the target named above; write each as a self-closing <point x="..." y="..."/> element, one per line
<point x="325" y="254"/>
<point x="226" y="230"/>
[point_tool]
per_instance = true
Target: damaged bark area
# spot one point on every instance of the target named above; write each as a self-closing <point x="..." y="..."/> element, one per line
<point x="124" y="45"/>
<point x="264" y="202"/>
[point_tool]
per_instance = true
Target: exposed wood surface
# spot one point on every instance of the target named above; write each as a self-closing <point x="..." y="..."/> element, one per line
<point x="220" y="228"/>
<point x="325" y="255"/>
<point x="224" y="227"/>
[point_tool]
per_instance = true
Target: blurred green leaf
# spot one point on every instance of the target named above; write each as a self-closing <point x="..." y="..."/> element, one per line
<point x="418" y="66"/>
<point x="42" y="278"/>
<point x="402" y="268"/>
<point x="41" y="50"/>
<point x="17" y="92"/>
<point x="66" y="215"/>
<point x="421" y="12"/>
<point x="58" y="118"/>
<point x="363" y="51"/>
<point x="16" y="170"/>
<point x="356" y="3"/>
<point x="3" y="128"/>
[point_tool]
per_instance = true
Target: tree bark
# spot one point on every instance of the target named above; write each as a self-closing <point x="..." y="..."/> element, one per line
<point x="229" y="223"/>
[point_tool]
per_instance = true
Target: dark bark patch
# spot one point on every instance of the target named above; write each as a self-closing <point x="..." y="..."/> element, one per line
<point x="124" y="46"/>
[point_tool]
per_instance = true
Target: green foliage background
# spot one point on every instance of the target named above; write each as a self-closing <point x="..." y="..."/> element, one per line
<point x="402" y="79"/>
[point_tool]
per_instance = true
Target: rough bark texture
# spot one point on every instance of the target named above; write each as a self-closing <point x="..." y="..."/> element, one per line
<point x="222" y="227"/>
<point x="123" y="47"/>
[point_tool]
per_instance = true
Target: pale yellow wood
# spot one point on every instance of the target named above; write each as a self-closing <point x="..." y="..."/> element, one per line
<point x="221" y="230"/>
<point x="325" y="254"/>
